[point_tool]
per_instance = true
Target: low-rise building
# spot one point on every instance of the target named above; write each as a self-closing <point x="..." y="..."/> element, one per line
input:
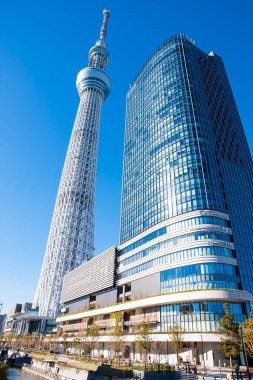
<point x="14" y="311"/>
<point x="2" y="322"/>
<point x="22" y="319"/>
<point x="93" y="295"/>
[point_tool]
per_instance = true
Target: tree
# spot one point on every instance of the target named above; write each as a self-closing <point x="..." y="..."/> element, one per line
<point x="65" y="342"/>
<point x="247" y="333"/>
<point x="230" y="343"/>
<point x="177" y="339"/>
<point x="90" y="339"/>
<point x="18" y="341"/>
<point x="36" y="342"/>
<point x="159" y="348"/>
<point x="27" y="339"/>
<point x="127" y="351"/>
<point x="117" y="335"/>
<point x="44" y="343"/>
<point x="9" y="339"/>
<point x="144" y="341"/>
<point x="78" y="344"/>
<point x="49" y="342"/>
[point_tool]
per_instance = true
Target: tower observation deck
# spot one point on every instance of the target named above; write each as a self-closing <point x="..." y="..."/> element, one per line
<point x="71" y="236"/>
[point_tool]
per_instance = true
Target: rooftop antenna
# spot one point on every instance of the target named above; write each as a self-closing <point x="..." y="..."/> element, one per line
<point x="106" y="13"/>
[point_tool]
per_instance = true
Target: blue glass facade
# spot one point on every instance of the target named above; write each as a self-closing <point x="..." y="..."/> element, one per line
<point x="185" y="150"/>
<point x="179" y="255"/>
<point x="200" y="276"/>
<point x="198" y="316"/>
<point x="175" y="227"/>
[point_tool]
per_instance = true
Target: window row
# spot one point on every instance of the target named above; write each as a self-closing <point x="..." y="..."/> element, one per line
<point x="197" y="270"/>
<point x="182" y="254"/>
<point x="176" y="227"/>
<point x="199" y="316"/>
<point x="188" y="253"/>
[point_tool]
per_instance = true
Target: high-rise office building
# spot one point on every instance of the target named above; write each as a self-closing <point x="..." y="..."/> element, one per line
<point x="187" y="211"/>
<point x="71" y="236"/>
<point x="186" y="217"/>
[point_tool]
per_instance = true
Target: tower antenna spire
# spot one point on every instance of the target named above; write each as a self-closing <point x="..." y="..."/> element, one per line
<point x="106" y="14"/>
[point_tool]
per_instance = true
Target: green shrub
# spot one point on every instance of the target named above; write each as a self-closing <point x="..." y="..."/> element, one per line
<point x="3" y="371"/>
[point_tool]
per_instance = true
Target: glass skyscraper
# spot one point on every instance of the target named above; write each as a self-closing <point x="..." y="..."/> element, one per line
<point x="186" y="215"/>
<point x="187" y="211"/>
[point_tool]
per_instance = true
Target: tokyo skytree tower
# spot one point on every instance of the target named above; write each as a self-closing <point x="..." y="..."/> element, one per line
<point x="71" y="236"/>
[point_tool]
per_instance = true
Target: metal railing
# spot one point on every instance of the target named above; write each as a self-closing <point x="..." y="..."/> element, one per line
<point x="145" y="318"/>
<point x="74" y="326"/>
<point x="47" y="373"/>
<point x="234" y="375"/>
<point x="105" y="323"/>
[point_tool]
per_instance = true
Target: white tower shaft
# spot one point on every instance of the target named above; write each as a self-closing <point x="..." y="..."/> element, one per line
<point x="71" y="236"/>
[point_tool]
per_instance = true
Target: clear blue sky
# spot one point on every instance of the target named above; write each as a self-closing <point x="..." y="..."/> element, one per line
<point x="43" y="45"/>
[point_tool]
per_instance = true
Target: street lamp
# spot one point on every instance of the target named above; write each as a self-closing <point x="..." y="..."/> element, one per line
<point x="243" y="350"/>
<point x="203" y="353"/>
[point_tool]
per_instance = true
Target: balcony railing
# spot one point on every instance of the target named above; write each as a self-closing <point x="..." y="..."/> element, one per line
<point x="105" y="323"/>
<point x="145" y="318"/>
<point x="74" y="326"/>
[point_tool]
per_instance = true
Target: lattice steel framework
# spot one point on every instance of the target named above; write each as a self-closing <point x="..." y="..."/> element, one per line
<point x="71" y="236"/>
